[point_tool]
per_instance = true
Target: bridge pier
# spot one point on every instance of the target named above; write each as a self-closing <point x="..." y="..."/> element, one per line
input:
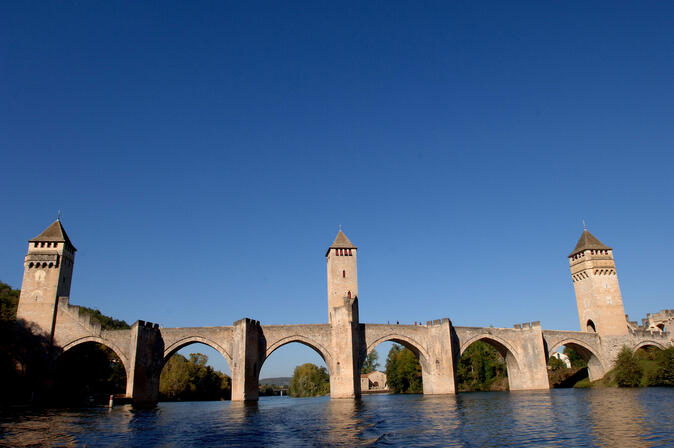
<point x="147" y="355"/>
<point x="531" y="371"/>
<point x="247" y="357"/>
<point x="438" y="376"/>
<point x="345" y="370"/>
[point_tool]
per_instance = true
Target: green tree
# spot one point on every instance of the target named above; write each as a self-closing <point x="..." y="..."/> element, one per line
<point x="192" y="380"/>
<point x="575" y="359"/>
<point x="556" y="364"/>
<point x="107" y="322"/>
<point x="664" y="373"/>
<point x="628" y="372"/>
<point x="479" y="367"/>
<point x="266" y="390"/>
<point x="403" y="371"/>
<point x="9" y="300"/>
<point x="174" y="378"/>
<point x="371" y="364"/>
<point x="309" y="381"/>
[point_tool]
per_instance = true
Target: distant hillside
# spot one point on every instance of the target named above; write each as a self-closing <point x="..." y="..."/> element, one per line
<point x="280" y="381"/>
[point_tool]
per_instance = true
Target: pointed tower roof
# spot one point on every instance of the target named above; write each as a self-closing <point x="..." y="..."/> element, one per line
<point x="341" y="242"/>
<point x="55" y="233"/>
<point x="588" y="241"/>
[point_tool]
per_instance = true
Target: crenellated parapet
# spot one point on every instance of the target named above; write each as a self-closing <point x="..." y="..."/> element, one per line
<point x="527" y="325"/>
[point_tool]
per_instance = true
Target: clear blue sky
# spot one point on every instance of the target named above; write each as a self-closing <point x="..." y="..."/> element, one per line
<point x="204" y="153"/>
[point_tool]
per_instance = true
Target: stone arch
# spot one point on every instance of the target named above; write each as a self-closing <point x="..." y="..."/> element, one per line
<point x="317" y="347"/>
<point x="500" y="344"/>
<point x="596" y="367"/>
<point x="649" y="343"/>
<point x="406" y="342"/>
<point x="184" y="342"/>
<point x="112" y="346"/>
<point x="504" y="347"/>
<point x="415" y="347"/>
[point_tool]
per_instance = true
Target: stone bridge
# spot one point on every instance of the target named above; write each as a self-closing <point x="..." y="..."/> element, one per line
<point x="343" y="342"/>
<point x="246" y="345"/>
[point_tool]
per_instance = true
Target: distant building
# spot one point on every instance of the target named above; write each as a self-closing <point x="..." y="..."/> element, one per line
<point x="562" y="357"/>
<point x="373" y="381"/>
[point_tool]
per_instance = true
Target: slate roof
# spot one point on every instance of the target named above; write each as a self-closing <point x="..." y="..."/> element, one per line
<point x="341" y="242"/>
<point x="588" y="241"/>
<point x="55" y="232"/>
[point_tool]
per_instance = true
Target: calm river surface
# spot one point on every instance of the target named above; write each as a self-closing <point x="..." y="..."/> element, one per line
<point x="564" y="418"/>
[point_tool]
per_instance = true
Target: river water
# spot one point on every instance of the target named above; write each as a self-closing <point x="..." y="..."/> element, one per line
<point x="557" y="418"/>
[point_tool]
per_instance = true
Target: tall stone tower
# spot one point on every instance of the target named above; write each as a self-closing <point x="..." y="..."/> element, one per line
<point x="48" y="271"/>
<point x="343" y="314"/>
<point x="600" y="305"/>
<point x="342" y="272"/>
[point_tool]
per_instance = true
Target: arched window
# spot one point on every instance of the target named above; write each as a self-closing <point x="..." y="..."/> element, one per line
<point x="591" y="327"/>
<point x="343" y="274"/>
<point x="349" y="294"/>
<point x="350" y="252"/>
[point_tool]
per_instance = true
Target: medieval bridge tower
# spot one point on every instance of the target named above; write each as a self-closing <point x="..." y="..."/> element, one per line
<point x="342" y="258"/>
<point x="595" y="280"/>
<point x="48" y="272"/>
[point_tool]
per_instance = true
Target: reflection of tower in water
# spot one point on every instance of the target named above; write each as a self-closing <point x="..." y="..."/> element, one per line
<point x="344" y="424"/>
<point x="618" y="419"/>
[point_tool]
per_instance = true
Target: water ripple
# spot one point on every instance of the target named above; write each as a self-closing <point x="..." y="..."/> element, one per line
<point x="558" y="418"/>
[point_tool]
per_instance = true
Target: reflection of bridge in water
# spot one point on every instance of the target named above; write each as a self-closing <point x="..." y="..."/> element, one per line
<point x="343" y="342"/>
